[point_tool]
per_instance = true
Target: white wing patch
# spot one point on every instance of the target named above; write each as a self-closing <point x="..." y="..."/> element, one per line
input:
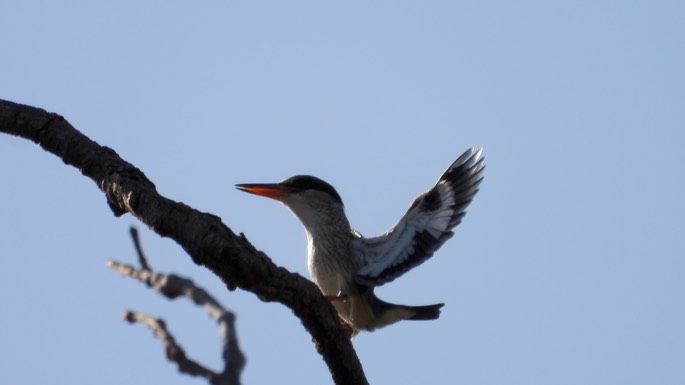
<point x="425" y="227"/>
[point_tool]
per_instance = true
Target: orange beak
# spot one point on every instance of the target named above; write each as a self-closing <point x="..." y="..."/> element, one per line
<point x="269" y="190"/>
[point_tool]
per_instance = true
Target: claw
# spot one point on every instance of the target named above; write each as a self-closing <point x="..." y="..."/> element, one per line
<point x="340" y="297"/>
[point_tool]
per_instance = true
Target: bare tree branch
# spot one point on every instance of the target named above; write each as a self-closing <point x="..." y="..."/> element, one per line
<point x="172" y="287"/>
<point x="203" y="236"/>
<point x="174" y="352"/>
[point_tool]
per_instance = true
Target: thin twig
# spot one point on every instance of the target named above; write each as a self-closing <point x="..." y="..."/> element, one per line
<point x="139" y="249"/>
<point x="174" y="352"/>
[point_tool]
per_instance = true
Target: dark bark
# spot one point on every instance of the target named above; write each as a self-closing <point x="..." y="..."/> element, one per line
<point x="203" y="236"/>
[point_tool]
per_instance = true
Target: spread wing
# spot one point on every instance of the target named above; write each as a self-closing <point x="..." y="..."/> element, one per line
<point x="425" y="227"/>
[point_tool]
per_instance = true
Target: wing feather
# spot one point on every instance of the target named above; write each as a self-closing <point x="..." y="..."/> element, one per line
<point x="426" y="226"/>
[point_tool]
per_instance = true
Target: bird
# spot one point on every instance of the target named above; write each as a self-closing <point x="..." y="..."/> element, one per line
<point x="347" y="266"/>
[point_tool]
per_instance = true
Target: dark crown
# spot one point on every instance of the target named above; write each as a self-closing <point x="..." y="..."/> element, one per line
<point x="308" y="182"/>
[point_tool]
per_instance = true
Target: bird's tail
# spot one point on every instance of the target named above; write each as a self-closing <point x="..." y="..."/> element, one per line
<point x="389" y="313"/>
<point x="426" y="312"/>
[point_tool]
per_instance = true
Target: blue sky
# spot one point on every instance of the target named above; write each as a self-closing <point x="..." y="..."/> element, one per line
<point x="567" y="269"/>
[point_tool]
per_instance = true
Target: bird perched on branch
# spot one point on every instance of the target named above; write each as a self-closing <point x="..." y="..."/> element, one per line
<point x="346" y="266"/>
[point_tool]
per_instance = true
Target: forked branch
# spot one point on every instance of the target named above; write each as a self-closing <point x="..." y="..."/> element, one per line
<point x="172" y="287"/>
<point x="203" y="236"/>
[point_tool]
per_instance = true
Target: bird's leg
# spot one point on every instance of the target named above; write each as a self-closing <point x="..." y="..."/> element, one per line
<point x="340" y="297"/>
<point x="342" y="291"/>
